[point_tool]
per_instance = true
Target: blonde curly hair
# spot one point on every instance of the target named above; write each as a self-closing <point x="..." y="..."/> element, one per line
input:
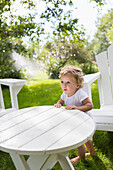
<point x="75" y="72"/>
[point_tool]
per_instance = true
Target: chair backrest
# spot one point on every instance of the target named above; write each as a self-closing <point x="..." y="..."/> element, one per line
<point x="105" y="65"/>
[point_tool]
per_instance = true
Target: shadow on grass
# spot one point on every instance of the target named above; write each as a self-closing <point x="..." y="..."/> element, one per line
<point x="91" y="163"/>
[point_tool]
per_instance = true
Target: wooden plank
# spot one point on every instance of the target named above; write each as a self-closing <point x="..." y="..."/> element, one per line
<point x="54" y="135"/>
<point x="28" y="121"/>
<point x="106" y="86"/>
<point x="104" y="127"/>
<point x="20" y="116"/>
<point x="15" y="86"/>
<point x="13" y="115"/>
<point x="12" y="82"/>
<point x="102" y="116"/>
<point x="48" y="131"/>
<point x="65" y="163"/>
<point x="19" y="162"/>
<point x="90" y="78"/>
<point x="17" y="139"/>
<point x="110" y="57"/>
<point x="49" y="162"/>
<point x="75" y="138"/>
<point x="7" y="111"/>
<point x="35" y="162"/>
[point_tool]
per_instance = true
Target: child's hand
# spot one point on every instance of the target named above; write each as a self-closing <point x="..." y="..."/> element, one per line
<point x="57" y="105"/>
<point x="70" y="107"/>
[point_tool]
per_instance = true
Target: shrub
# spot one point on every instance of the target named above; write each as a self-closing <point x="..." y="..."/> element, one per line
<point x="89" y="68"/>
<point x="7" y="69"/>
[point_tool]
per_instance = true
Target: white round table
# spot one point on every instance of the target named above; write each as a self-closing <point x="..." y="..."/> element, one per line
<point x="46" y="134"/>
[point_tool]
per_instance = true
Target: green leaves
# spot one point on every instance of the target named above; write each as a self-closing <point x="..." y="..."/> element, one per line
<point x="29" y="4"/>
<point x="103" y="36"/>
<point x="59" y="52"/>
<point x="13" y="27"/>
<point x="99" y="2"/>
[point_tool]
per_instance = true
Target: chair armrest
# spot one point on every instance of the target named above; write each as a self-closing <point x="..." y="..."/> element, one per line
<point x="88" y="80"/>
<point x="15" y="85"/>
<point x="12" y="82"/>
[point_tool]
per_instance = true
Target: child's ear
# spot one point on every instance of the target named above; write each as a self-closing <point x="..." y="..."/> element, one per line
<point x="78" y="86"/>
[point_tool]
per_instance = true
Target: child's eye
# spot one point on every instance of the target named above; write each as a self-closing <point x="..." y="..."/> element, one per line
<point x="68" y="83"/>
<point x="62" y="82"/>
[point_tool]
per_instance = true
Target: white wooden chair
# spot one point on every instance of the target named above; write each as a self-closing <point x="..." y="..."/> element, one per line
<point x="103" y="116"/>
<point x="15" y="86"/>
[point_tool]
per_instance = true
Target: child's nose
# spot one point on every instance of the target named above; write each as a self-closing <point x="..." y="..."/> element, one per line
<point x="65" y="84"/>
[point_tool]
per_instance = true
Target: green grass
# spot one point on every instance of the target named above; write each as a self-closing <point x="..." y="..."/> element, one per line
<point x="46" y="92"/>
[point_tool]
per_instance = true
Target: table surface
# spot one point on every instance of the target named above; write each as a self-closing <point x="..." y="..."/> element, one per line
<point x="44" y="130"/>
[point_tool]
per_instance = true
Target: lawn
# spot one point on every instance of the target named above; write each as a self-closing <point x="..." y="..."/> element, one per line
<point x="45" y="91"/>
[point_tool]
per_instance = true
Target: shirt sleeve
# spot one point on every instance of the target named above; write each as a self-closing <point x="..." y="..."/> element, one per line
<point x="82" y="95"/>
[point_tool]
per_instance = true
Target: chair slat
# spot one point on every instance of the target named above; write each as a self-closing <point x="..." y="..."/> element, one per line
<point x="103" y="117"/>
<point x="110" y="57"/>
<point x="105" y="84"/>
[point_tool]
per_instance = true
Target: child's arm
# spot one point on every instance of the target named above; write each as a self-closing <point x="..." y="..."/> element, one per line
<point x="59" y="103"/>
<point x="87" y="105"/>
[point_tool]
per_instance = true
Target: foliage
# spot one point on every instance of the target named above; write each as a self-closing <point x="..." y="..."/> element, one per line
<point x="103" y="36"/>
<point x="7" y="69"/>
<point x="90" y="67"/>
<point x="14" y="27"/>
<point x="66" y="36"/>
<point x="57" y="53"/>
<point x="109" y="32"/>
<point x="99" y="2"/>
<point x="58" y="14"/>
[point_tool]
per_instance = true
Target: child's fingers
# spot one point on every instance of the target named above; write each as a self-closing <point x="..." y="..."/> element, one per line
<point x="68" y="108"/>
<point x="57" y="105"/>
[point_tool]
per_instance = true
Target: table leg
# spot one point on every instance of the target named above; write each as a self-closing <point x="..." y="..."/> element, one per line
<point x="14" y="90"/>
<point x="35" y="162"/>
<point x="65" y="162"/>
<point x="44" y="162"/>
<point x="47" y="162"/>
<point x="19" y="162"/>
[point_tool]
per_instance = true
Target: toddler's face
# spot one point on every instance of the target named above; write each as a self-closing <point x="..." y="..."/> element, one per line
<point x="69" y="85"/>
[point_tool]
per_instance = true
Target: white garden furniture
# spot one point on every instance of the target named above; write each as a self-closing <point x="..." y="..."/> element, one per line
<point x="15" y="86"/>
<point x="46" y="134"/>
<point x="103" y="116"/>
